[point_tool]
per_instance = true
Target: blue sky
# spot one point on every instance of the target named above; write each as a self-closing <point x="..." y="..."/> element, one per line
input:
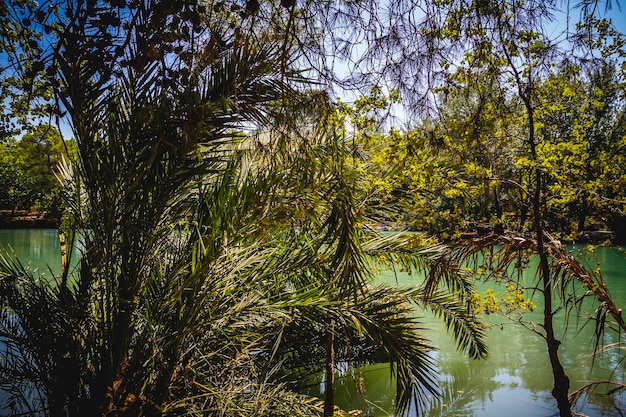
<point x="616" y="12"/>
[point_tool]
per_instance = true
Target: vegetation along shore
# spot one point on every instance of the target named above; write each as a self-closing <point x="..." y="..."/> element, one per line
<point x="224" y="165"/>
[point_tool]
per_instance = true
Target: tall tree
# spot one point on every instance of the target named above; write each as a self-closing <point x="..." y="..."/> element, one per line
<point x="509" y="45"/>
<point x="191" y="267"/>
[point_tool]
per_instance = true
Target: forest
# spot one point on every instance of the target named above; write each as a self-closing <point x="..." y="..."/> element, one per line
<point x="464" y="171"/>
<point x="235" y="174"/>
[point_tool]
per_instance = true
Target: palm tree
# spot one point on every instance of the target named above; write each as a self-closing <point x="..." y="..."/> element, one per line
<point x="201" y="255"/>
<point x="154" y="137"/>
<point x="358" y="322"/>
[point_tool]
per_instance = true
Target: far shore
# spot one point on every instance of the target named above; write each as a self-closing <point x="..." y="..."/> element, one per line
<point x="22" y="219"/>
<point x="28" y="220"/>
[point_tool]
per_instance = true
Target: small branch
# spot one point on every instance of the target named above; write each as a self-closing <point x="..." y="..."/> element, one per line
<point x="513" y="182"/>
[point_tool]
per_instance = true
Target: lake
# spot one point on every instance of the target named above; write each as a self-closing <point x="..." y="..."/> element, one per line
<point x="515" y="381"/>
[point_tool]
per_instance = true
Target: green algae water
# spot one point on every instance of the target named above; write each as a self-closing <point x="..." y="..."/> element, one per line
<point x="39" y="249"/>
<point x="515" y="381"/>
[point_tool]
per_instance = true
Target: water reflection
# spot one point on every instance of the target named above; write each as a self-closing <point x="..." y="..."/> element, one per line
<point x="516" y="379"/>
<point x="38" y="248"/>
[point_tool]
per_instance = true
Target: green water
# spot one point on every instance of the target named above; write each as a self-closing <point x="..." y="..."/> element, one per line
<point x="515" y="381"/>
<point x="38" y="248"/>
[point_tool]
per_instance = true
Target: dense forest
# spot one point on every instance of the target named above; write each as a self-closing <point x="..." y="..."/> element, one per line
<point x="27" y="170"/>
<point x="462" y="172"/>
<point x="226" y="196"/>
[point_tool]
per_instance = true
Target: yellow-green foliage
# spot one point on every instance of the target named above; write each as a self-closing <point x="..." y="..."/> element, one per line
<point x="511" y="299"/>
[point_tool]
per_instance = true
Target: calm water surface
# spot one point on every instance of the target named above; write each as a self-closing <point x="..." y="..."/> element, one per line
<point x="38" y="248"/>
<point x="515" y="381"/>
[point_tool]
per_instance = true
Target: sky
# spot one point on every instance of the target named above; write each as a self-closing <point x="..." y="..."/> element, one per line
<point x="617" y="13"/>
<point x="611" y="9"/>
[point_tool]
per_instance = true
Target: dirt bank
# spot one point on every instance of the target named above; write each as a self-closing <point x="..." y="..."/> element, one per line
<point x="28" y="220"/>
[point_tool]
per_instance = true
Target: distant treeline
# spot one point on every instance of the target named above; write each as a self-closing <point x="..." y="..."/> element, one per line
<point x="27" y="171"/>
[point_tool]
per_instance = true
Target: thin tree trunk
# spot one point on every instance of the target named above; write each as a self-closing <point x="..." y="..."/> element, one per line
<point x="329" y="385"/>
<point x="582" y="216"/>
<point x="523" y="214"/>
<point x="499" y="227"/>
<point x="63" y="245"/>
<point x="561" y="381"/>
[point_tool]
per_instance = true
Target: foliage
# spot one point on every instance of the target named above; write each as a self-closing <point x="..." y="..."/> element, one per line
<point x="498" y="63"/>
<point x="469" y="168"/>
<point x="226" y="210"/>
<point x="206" y="250"/>
<point x="29" y="168"/>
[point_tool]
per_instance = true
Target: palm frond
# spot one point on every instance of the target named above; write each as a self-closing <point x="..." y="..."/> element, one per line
<point x="466" y="329"/>
<point x="432" y="260"/>
<point x="613" y="389"/>
<point x="42" y="326"/>
<point x="506" y="255"/>
<point x="384" y="319"/>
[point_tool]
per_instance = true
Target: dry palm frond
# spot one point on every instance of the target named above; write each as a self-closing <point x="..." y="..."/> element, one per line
<point x="506" y="256"/>
<point x="614" y="388"/>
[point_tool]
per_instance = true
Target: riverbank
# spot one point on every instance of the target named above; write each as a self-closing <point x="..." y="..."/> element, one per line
<point x="45" y="220"/>
<point x="28" y="220"/>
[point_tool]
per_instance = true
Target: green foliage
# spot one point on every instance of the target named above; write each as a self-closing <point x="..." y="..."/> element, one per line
<point x="29" y="169"/>
<point x="25" y="88"/>
<point x="226" y="211"/>
<point x="226" y="249"/>
<point x="512" y="299"/>
<point x="470" y="166"/>
<point x="581" y="151"/>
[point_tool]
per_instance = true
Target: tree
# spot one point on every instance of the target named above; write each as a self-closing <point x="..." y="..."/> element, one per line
<point x="9" y="176"/>
<point x="159" y="95"/>
<point x="446" y="170"/>
<point x="510" y="47"/>
<point x="199" y="252"/>
<point x="582" y="147"/>
<point x="346" y="203"/>
<point x="29" y="166"/>
<point x="27" y="96"/>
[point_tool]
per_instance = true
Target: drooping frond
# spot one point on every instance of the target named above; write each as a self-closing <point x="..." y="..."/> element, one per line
<point x="613" y="389"/>
<point x="508" y="255"/>
<point x="44" y="332"/>
<point x="432" y="261"/>
<point x="384" y="319"/>
<point x="466" y="329"/>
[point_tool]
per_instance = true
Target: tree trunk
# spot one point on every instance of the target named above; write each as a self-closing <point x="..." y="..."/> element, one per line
<point x="525" y="89"/>
<point x="561" y="381"/>
<point x="523" y="215"/>
<point x="329" y="385"/>
<point x="618" y="227"/>
<point x="499" y="227"/>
